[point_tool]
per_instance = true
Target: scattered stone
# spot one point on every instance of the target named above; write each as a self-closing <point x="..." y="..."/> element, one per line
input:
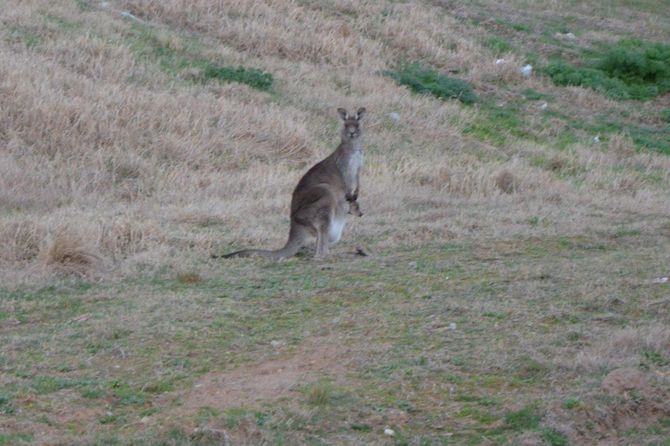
<point x="500" y="61"/>
<point x="389" y="432"/>
<point x="395" y="117"/>
<point x="565" y="36"/>
<point x="276" y="344"/>
<point x="526" y="71"/>
<point x="543" y="106"/>
<point x="660" y="280"/>
<point x="596" y="139"/>
<point x="130" y="16"/>
<point x="452" y="326"/>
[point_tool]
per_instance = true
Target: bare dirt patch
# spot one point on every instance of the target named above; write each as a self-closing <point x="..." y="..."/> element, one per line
<point x="250" y="385"/>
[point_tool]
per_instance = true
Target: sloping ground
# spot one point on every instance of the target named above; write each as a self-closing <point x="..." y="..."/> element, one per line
<point x="139" y="137"/>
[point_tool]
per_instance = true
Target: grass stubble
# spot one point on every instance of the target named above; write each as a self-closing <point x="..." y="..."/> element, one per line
<point x="131" y="151"/>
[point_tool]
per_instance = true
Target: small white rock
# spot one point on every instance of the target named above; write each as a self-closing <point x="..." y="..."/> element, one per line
<point x="543" y="106"/>
<point x="276" y="344"/>
<point x="526" y="71"/>
<point x="500" y="61"/>
<point x="389" y="432"/>
<point x="596" y="139"/>
<point x="395" y="117"/>
<point x="660" y="280"/>
<point x="452" y="326"/>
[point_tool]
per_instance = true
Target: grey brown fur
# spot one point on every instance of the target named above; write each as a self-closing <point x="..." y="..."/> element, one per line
<point x="324" y="196"/>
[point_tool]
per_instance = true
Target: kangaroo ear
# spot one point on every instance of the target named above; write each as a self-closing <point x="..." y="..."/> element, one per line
<point x="360" y="113"/>
<point x="343" y="113"/>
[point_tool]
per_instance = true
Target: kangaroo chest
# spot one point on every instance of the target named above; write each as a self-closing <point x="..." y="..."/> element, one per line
<point x="351" y="167"/>
<point x="356" y="161"/>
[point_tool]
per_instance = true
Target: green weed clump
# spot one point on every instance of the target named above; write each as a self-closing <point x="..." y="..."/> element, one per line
<point x="498" y="45"/>
<point x="632" y="69"/>
<point x="179" y="59"/>
<point x="251" y="76"/>
<point x="425" y="80"/>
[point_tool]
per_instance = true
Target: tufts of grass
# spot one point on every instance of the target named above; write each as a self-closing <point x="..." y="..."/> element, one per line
<point x="49" y="384"/>
<point x="425" y="80"/>
<point x="526" y="418"/>
<point x="530" y="370"/>
<point x="250" y="76"/>
<point x="126" y="395"/>
<point x="497" y="123"/>
<point x="656" y="139"/>
<point x="654" y="357"/>
<point x="320" y="393"/>
<point x="12" y="439"/>
<point x="571" y="403"/>
<point x="6" y="407"/>
<point x="498" y="45"/>
<point x="189" y="277"/>
<point x="554" y="437"/>
<point x="534" y="95"/>
<point x="631" y="69"/>
<point x="29" y="37"/>
<point x="186" y="60"/>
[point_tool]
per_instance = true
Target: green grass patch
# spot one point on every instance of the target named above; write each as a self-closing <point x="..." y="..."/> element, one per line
<point x="183" y="58"/>
<point x="27" y="36"/>
<point x="424" y="80"/>
<point x="42" y="385"/>
<point x="631" y="69"/>
<point x="126" y="395"/>
<point x="530" y="370"/>
<point x="498" y="45"/>
<point x="654" y="357"/>
<point x="526" y="418"/>
<point x="320" y="394"/>
<point x="477" y="415"/>
<point x="11" y="439"/>
<point x="534" y="95"/>
<point x="554" y="437"/>
<point x="6" y="407"/>
<point x="496" y="123"/>
<point x="571" y="403"/>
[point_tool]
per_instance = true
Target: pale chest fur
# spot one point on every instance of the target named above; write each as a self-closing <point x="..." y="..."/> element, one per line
<point x="355" y="162"/>
<point x="350" y="168"/>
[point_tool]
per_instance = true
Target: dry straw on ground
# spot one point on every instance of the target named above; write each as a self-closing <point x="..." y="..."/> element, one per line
<point x="120" y="162"/>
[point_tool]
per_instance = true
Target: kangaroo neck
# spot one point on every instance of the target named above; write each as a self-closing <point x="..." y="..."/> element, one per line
<point x="349" y="158"/>
<point x="348" y="147"/>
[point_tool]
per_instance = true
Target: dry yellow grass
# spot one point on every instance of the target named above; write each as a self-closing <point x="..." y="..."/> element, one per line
<point x="93" y="134"/>
<point x="115" y="166"/>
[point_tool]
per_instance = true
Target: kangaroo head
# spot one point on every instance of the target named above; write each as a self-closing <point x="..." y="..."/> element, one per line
<point x="355" y="209"/>
<point x="351" y="128"/>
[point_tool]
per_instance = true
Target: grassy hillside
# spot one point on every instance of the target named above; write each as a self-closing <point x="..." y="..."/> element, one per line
<point x="515" y="224"/>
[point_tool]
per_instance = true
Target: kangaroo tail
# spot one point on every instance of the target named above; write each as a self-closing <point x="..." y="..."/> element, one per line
<point x="296" y="240"/>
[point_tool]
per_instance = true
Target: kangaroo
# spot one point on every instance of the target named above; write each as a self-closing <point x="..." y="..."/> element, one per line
<point x="323" y="196"/>
<point x="355" y="209"/>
